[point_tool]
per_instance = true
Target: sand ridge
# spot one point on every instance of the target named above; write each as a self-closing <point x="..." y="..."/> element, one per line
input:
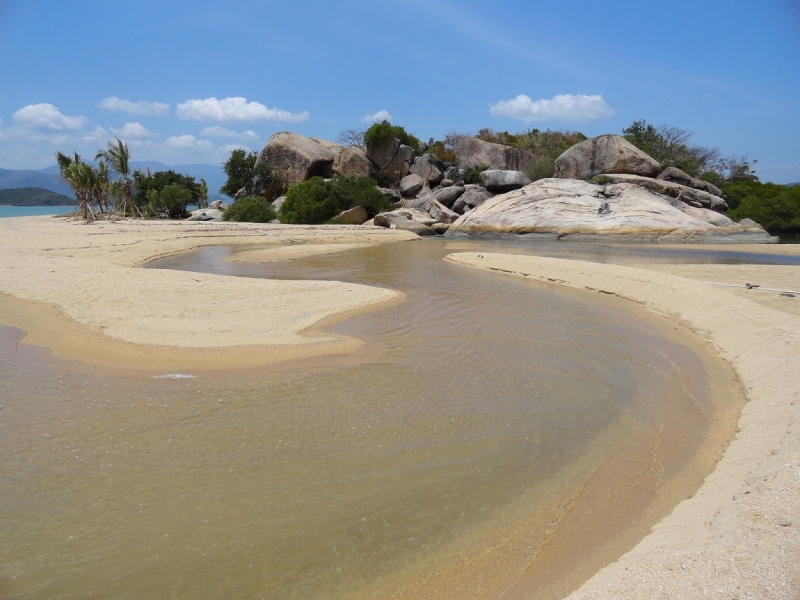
<point x="737" y="537"/>
<point x="88" y="273"/>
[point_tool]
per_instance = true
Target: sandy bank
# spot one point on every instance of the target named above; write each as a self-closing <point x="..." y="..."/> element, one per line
<point x="76" y="289"/>
<point x="738" y="536"/>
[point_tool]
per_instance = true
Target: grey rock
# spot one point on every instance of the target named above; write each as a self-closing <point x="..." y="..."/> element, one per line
<point x="402" y="219"/>
<point x="473" y="152"/>
<point x="426" y="168"/>
<point x="448" y="195"/>
<point x="406" y="153"/>
<point x="278" y="202"/>
<point x="691" y="196"/>
<point x="456" y="175"/>
<point x="352" y="161"/>
<point x="218" y="204"/>
<point x="296" y="158"/>
<point x="504" y="181"/>
<point x="459" y="206"/>
<point x="394" y="194"/>
<point x="206" y="214"/>
<point x="441" y="213"/>
<point x="605" y="154"/>
<point x="475" y="195"/>
<point x="355" y="216"/>
<point x="446" y="183"/>
<point x="573" y="209"/>
<point x="440" y="228"/>
<point x="386" y="156"/>
<point x="675" y="175"/>
<point x="410" y="185"/>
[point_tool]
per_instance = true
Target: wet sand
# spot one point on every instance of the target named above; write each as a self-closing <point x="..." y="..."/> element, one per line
<point x="737" y="536"/>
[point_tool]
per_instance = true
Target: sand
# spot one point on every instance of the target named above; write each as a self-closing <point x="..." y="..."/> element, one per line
<point x="737" y="537"/>
<point x="76" y="289"/>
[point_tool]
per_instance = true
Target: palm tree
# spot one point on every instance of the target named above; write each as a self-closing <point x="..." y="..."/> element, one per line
<point x="118" y="158"/>
<point x="81" y="178"/>
<point x="202" y="201"/>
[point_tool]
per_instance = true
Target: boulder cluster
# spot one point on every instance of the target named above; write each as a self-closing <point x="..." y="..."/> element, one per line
<point x="602" y="186"/>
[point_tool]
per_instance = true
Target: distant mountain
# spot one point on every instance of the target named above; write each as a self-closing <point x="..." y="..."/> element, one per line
<point x="793" y="184"/>
<point x="33" y="196"/>
<point x="48" y="178"/>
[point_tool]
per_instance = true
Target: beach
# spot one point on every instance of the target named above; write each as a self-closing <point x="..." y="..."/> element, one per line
<point x="77" y="290"/>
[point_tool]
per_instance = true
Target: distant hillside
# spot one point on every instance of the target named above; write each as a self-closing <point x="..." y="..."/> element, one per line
<point x="49" y="179"/>
<point x="33" y="196"/>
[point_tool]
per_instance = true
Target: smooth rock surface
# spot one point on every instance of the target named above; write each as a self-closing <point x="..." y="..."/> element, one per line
<point x="603" y="155"/>
<point x="296" y="158"/>
<point x="410" y="185"/>
<point x="407" y="220"/>
<point x="448" y="195"/>
<point x="473" y="152"/>
<point x="352" y="161"/>
<point x="354" y="216"/>
<point x="504" y="181"/>
<point x="582" y="210"/>
<point x="206" y="214"/>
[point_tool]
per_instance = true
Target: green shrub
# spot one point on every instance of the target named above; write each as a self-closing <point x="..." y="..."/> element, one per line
<point x="380" y="132"/>
<point x="473" y="174"/>
<point x="601" y="180"/>
<point x="170" y="202"/>
<point x="250" y="209"/>
<point x="318" y="201"/>
<point x="144" y="184"/>
<point x="775" y="207"/>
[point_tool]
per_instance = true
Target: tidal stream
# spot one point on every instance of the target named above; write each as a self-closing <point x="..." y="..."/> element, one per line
<point x="493" y="435"/>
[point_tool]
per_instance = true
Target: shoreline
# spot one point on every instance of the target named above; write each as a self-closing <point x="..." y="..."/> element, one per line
<point x="737" y="535"/>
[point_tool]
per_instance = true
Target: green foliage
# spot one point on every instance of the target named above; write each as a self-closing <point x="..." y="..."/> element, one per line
<point x="441" y="150"/>
<point x="317" y="201"/>
<point x="547" y="145"/>
<point x="239" y="169"/>
<point x="250" y="209"/>
<point x="161" y="179"/>
<point x="670" y="147"/>
<point x="380" y="132"/>
<point x="170" y="201"/>
<point x="473" y="174"/>
<point x="33" y="196"/>
<point x="775" y="207"/>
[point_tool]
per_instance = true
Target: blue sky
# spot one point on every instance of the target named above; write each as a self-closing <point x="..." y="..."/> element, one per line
<point x="184" y="82"/>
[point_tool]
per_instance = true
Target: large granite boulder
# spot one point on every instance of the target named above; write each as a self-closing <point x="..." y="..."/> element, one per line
<point x="391" y="157"/>
<point x="448" y="195"/>
<point x="602" y="155"/>
<point x="278" y="202"/>
<point x="456" y="175"/>
<point x="574" y="209"/>
<point x="675" y="175"/>
<point x="205" y="214"/>
<point x="504" y="181"/>
<point x="473" y="152"/>
<point x="475" y="195"/>
<point x="352" y="161"/>
<point x="410" y="185"/>
<point x="691" y="196"/>
<point x="354" y="216"/>
<point x="295" y="158"/>
<point x="425" y="167"/>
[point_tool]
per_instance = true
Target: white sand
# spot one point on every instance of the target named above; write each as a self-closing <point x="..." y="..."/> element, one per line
<point x="738" y="536"/>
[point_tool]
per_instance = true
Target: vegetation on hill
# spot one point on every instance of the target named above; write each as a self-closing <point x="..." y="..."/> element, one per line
<point x="34" y="196"/>
<point x="774" y="207"/>
<point x="317" y="201"/>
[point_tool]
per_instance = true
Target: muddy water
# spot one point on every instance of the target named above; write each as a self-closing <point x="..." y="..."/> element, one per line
<point x="486" y="421"/>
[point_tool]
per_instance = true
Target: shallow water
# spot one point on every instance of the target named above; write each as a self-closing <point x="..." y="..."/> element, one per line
<point x="477" y="411"/>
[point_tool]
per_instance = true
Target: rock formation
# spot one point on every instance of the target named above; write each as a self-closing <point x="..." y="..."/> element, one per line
<point x="473" y="152"/>
<point x="602" y="155"/>
<point x="573" y="209"/>
<point x="352" y="161"/>
<point x="295" y="158"/>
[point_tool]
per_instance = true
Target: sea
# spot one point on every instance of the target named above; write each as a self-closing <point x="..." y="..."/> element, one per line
<point x="33" y="211"/>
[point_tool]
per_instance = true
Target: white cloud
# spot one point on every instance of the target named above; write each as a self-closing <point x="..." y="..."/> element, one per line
<point x="49" y="117"/>
<point x="224" y="132"/>
<point x="234" y="109"/>
<point x="564" y="107"/>
<point x="96" y="135"/>
<point x="381" y="115"/>
<point x="189" y="142"/>
<point x="135" y="108"/>
<point x="133" y="131"/>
